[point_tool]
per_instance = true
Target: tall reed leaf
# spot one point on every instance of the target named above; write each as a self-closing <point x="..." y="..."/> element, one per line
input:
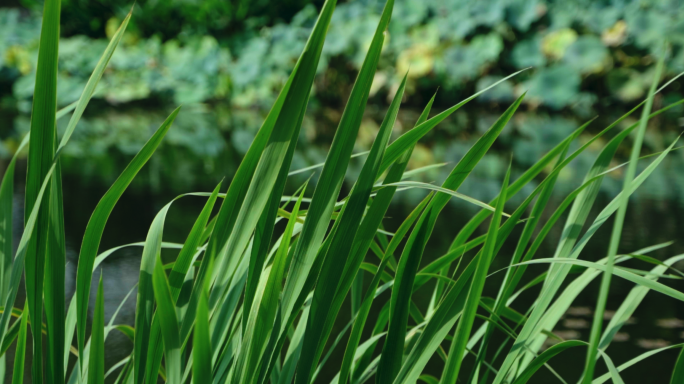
<point x="332" y="175"/>
<point x="41" y="151"/>
<point x="617" y="230"/>
<point x="333" y="286"/>
<point x="465" y="325"/>
<point x="393" y="349"/>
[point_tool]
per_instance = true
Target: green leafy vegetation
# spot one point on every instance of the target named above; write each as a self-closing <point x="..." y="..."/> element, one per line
<point x="255" y="293"/>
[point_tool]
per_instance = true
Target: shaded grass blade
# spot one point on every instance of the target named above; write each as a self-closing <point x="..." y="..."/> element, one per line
<point x="462" y="334"/>
<point x="333" y="287"/>
<point x="166" y="314"/>
<point x="20" y="351"/>
<point x="96" y="363"/>
<point x="41" y="150"/>
<point x="390" y="362"/>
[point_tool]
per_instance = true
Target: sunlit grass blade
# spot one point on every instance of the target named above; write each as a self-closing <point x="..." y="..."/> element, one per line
<point x="462" y="334"/>
<point x="166" y="314"/>
<point x="97" y="222"/>
<point x="333" y="285"/>
<point x="20" y="351"/>
<point x="617" y="230"/>
<point x="393" y="349"/>
<point x="96" y="363"/>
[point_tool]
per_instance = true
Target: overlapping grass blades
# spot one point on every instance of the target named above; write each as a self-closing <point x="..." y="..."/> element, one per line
<point x="243" y="287"/>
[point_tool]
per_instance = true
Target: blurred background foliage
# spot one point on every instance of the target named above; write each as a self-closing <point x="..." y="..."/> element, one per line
<point x="226" y="60"/>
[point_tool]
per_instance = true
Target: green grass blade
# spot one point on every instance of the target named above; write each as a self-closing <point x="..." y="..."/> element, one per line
<point x="98" y="220"/>
<point x="597" y="323"/>
<point x="364" y="310"/>
<point x="41" y="151"/>
<point x="6" y="196"/>
<point x="96" y="363"/>
<point x="390" y="362"/>
<point x="260" y="325"/>
<point x="201" y="351"/>
<point x="20" y="351"/>
<point x="410" y="138"/>
<point x="629" y="305"/>
<point x="678" y="372"/>
<point x="91" y="85"/>
<point x="457" y="349"/>
<point x="166" y="314"/>
<point x="544" y="357"/>
<point x="330" y="293"/>
<point x="191" y="245"/>
<point x="332" y="175"/>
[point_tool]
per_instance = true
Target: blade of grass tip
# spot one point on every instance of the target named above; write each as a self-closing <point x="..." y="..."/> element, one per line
<point x="96" y="364"/>
<point x="390" y="361"/>
<point x="332" y="175"/>
<point x="270" y="161"/>
<point x="91" y="85"/>
<point x="329" y="295"/>
<point x="462" y="334"/>
<point x="20" y="352"/>
<point x="97" y="222"/>
<point x="41" y="150"/>
<point x="166" y="314"/>
<point x="410" y="138"/>
<point x="617" y="229"/>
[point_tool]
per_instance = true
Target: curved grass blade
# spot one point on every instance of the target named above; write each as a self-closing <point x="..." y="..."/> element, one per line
<point x="97" y="222"/>
<point x="390" y="362"/>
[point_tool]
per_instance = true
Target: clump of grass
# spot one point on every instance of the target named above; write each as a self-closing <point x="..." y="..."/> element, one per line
<point x="238" y="292"/>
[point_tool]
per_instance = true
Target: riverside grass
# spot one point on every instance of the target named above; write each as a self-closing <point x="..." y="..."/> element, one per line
<point x="239" y="291"/>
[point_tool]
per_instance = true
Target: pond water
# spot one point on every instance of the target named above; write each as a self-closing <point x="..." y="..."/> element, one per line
<point x="206" y="144"/>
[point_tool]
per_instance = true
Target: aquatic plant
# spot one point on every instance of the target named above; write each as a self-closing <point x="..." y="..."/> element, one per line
<point x="243" y="302"/>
